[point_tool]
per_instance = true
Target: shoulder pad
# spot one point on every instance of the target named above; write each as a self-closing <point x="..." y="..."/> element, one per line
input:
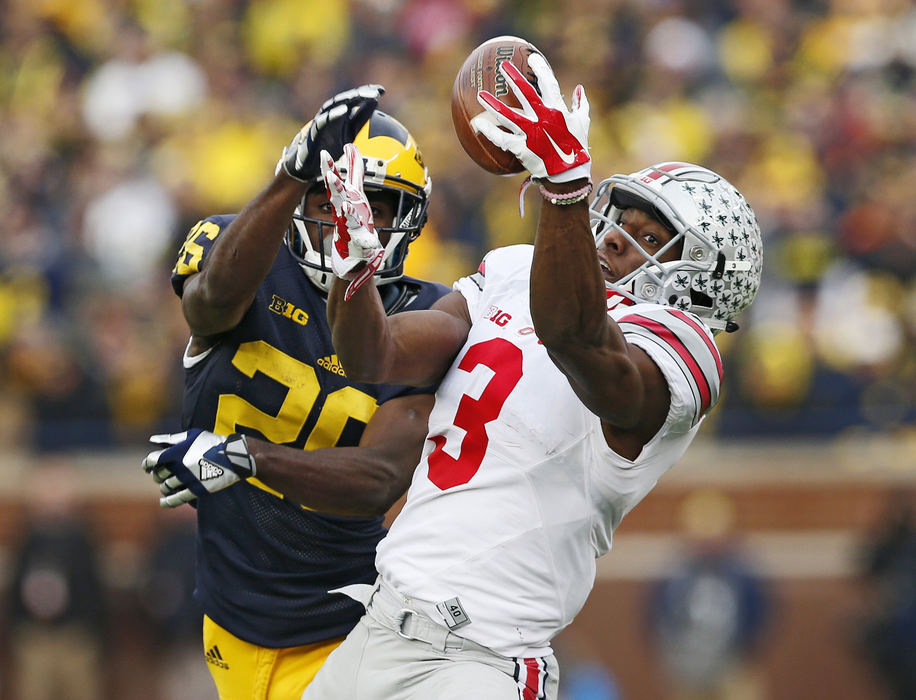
<point x="195" y="248"/>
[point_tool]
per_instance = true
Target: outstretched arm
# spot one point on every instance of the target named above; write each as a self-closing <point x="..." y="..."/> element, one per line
<point x="363" y="480"/>
<point x="615" y="380"/>
<point x="412" y="347"/>
<point x="215" y="299"/>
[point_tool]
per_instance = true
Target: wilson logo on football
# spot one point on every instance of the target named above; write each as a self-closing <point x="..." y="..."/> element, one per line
<point x="503" y="53"/>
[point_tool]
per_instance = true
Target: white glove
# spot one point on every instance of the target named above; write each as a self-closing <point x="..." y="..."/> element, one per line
<point x="336" y="123"/>
<point x="356" y="252"/>
<point x="550" y="140"/>
<point x="195" y="463"/>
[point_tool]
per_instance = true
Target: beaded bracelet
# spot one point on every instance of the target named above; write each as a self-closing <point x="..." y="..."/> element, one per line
<point x="567" y="197"/>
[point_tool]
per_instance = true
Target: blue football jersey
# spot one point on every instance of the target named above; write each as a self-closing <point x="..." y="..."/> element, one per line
<point x="265" y="563"/>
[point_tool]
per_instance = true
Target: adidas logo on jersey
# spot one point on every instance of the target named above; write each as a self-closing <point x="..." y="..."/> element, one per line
<point x="332" y="364"/>
<point x="214" y="657"/>
<point x="208" y="469"/>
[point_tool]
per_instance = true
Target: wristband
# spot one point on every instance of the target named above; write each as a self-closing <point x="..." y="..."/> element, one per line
<point x="566" y="198"/>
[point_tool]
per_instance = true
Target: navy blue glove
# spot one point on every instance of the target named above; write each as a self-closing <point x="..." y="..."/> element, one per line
<point x="196" y="462"/>
<point x="337" y="123"/>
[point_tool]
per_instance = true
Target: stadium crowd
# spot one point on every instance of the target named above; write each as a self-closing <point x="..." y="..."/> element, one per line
<point x="127" y="120"/>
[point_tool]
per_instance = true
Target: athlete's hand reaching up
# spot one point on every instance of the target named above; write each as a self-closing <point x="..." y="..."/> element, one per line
<point x="336" y="123"/>
<point x="357" y="252"/>
<point x="549" y="139"/>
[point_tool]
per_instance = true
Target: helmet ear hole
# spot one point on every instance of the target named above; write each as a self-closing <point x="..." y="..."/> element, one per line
<point x="700" y="299"/>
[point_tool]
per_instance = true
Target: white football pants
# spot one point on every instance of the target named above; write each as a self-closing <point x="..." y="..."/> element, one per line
<point x="396" y="653"/>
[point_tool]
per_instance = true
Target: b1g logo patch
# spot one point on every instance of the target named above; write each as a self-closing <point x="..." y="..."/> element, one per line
<point x="284" y="308"/>
<point x="498" y="316"/>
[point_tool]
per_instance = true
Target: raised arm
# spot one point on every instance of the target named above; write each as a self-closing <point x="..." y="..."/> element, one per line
<point x="412" y="347"/>
<point x="615" y="380"/>
<point x="215" y="299"/>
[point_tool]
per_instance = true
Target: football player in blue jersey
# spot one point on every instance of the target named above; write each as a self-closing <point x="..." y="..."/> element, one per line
<point x="261" y="377"/>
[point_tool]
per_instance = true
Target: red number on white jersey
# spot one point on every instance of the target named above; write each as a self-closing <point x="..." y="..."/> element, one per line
<point x="505" y="359"/>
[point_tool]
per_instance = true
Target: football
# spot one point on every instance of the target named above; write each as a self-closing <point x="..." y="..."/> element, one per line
<point x="479" y="72"/>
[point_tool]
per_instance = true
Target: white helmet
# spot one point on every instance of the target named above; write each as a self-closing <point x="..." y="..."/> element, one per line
<point x="393" y="164"/>
<point x="719" y="271"/>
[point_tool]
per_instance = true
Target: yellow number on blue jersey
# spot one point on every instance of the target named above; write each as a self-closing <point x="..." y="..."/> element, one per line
<point x="192" y="252"/>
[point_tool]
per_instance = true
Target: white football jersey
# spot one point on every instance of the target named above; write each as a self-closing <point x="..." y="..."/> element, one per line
<point x="517" y="492"/>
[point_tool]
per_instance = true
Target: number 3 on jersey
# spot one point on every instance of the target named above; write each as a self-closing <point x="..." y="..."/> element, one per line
<point x="505" y="359"/>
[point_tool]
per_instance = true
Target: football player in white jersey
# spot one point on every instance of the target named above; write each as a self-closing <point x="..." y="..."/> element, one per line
<point x="573" y="375"/>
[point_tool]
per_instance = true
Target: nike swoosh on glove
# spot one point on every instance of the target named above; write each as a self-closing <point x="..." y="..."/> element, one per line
<point x="356" y="252"/>
<point x="195" y="463"/>
<point x="549" y="139"/>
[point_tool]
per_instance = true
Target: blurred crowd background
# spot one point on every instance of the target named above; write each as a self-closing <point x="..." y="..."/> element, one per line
<point x="126" y="121"/>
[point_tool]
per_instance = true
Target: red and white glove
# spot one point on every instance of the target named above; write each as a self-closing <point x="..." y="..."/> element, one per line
<point x="550" y="140"/>
<point x="356" y="252"/>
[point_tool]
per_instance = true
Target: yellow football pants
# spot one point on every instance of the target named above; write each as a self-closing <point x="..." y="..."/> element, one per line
<point x="244" y="671"/>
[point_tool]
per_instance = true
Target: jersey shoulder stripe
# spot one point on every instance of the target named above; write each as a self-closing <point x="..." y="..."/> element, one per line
<point x="704" y="334"/>
<point x="674" y="344"/>
<point x="688" y="345"/>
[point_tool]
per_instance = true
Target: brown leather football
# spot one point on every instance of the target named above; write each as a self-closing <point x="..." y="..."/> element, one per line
<point x="479" y="72"/>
